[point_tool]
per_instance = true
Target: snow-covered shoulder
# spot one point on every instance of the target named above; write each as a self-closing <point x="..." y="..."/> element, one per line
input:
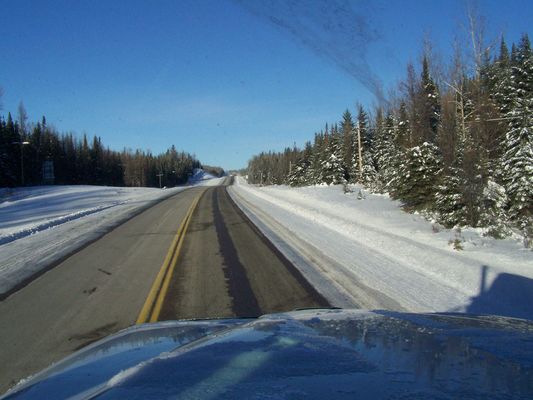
<point x="382" y="257"/>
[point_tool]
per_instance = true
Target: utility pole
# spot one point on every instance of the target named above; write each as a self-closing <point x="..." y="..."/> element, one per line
<point x="22" y="144"/>
<point x="160" y="175"/>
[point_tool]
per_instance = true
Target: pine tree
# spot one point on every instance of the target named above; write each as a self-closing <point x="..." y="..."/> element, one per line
<point x="378" y="138"/>
<point x="418" y="177"/>
<point x="518" y="164"/>
<point x="502" y="88"/>
<point x="301" y="174"/>
<point x="316" y="159"/>
<point x="517" y="159"/>
<point x="9" y="174"/>
<point x="450" y="201"/>
<point x="431" y="109"/>
<point x="494" y="216"/>
<point x="388" y="156"/>
<point x="403" y="138"/>
<point x="347" y="130"/>
<point x="368" y="175"/>
<point x="332" y="166"/>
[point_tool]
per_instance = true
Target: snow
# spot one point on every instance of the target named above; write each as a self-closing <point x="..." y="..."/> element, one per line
<point x="369" y="253"/>
<point x="202" y="178"/>
<point x="40" y="225"/>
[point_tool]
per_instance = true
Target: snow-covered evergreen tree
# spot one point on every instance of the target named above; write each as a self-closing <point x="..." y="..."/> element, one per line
<point x="493" y="215"/>
<point x="347" y="132"/>
<point x="517" y="165"/>
<point x="368" y="175"/>
<point x="332" y="166"/>
<point x="517" y="159"/>
<point x="432" y="95"/>
<point x="403" y="137"/>
<point x="418" y="176"/>
<point x="501" y="80"/>
<point x="450" y="202"/>
<point x="430" y="107"/>
<point x="319" y="155"/>
<point x="458" y="197"/>
<point x="387" y="156"/>
<point x="401" y="144"/>
<point x="301" y="173"/>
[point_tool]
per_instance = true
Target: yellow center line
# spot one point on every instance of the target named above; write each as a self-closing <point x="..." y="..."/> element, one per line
<point x="154" y="302"/>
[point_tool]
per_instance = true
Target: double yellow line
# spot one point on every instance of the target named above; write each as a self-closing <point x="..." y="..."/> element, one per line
<point x="152" y="306"/>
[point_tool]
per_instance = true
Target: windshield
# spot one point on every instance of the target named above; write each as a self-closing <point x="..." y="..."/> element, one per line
<point x="230" y="159"/>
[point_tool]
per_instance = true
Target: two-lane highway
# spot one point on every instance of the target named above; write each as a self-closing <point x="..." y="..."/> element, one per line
<point x="228" y="268"/>
<point x="194" y="255"/>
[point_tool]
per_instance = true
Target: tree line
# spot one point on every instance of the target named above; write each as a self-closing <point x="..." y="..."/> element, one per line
<point x="26" y="149"/>
<point x="456" y="145"/>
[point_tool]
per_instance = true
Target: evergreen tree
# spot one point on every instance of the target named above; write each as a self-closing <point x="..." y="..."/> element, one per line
<point x="431" y="105"/>
<point x="301" y="174"/>
<point x="368" y="175"/>
<point x="403" y="138"/>
<point x="316" y="158"/>
<point x="418" y="177"/>
<point x="517" y="160"/>
<point x="332" y="165"/>
<point x="517" y="165"/>
<point x="387" y="154"/>
<point x="449" y="198"/>
<point x="9" y="156"/>
<point x="494" y="215"/>
<point x="347" y="129"/>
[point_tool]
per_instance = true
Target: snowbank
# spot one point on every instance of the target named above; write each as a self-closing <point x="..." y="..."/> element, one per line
<point x="202" y="178"/>
<point x="368" y="253"/>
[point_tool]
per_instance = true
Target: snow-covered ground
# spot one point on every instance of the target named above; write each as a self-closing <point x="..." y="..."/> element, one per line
<point x="202" y="178"/>
<point x="40" y="225"/>
<point x="369" y="253"/>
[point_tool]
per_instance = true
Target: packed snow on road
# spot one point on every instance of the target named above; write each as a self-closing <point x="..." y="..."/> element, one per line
<point x="363" y="250"/>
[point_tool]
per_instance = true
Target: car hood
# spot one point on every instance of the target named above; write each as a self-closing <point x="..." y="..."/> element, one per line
<point x="302" y="354"/>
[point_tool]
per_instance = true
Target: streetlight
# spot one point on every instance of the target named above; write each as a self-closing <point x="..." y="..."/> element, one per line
<point x="22" y="144"/>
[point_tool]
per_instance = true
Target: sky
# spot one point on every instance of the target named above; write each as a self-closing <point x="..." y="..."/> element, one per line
<point x="222" y="79"/>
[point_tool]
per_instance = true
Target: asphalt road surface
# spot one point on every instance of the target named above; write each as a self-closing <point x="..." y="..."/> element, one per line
<point x="194" y="255"/>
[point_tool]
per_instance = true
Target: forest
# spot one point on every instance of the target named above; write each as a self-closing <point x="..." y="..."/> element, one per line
<point x="454" y="143"/>
<point x="27" y="149"/>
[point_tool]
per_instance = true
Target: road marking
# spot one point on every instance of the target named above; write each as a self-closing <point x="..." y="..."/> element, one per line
<point x="152" y="306"/>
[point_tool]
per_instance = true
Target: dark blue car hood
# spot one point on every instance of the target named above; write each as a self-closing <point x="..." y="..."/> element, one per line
<point x="308" y="354"/>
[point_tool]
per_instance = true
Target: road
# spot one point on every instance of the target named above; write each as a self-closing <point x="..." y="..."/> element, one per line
<point x="194" y="255"/>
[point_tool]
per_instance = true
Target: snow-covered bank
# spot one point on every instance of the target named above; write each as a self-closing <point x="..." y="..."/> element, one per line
<point x="371" y="254"/>
<point x="203" y="178"/>
<point x="40" y="225"/>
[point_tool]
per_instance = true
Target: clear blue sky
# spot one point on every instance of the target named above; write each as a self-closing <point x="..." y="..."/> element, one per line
<point x="213" y="77"/>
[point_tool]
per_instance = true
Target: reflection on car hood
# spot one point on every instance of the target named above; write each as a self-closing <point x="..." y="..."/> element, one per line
<point x="303" y="354"/>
